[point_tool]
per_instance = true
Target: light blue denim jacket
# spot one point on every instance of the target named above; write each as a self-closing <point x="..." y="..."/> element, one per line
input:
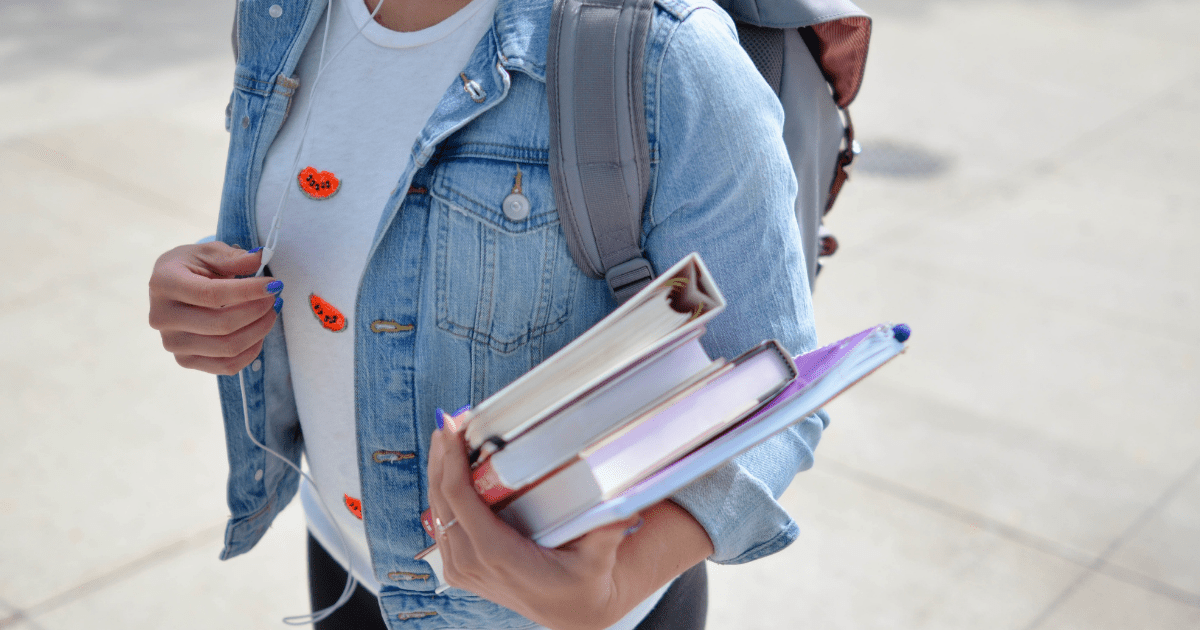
<point x="488" y="298"/>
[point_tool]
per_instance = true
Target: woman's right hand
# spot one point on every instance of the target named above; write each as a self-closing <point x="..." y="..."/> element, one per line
<point x="209" y="318"/>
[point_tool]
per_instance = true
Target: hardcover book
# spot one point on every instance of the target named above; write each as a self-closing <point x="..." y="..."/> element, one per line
<point x="634" y="409"/>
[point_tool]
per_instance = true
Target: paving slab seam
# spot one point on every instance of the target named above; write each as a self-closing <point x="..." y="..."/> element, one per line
<point x="1093" y="137"/>
<point x="19" y="617"/>
<point x="71" y="280"/>
<point x="91" y="174"/>
<point x="946" y="508"/>
<point x="125" y="571"/>
<point x="1089" y="562"/>
<point x="1166" y="497"/>
<point x="16" y="615"/>
<point x="1015" y="181"/>
<point x="1147" y="583"/>
<point x="1049" y="301"/>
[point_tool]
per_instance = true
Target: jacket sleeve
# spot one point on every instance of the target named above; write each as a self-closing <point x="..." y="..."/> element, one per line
<point x="723" y="186"/>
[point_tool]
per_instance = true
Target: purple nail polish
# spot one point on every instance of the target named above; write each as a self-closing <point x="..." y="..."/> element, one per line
<point x="278" y="304"/>
<point x="636" y="526"/>
<point x="275" y="287"/>
<point x="255" y="250"/>
<point x="460" y="411"/>
<point x="441" y="418"/>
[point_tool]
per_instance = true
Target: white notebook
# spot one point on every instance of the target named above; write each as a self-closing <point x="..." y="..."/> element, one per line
<point x="680" y="301"/>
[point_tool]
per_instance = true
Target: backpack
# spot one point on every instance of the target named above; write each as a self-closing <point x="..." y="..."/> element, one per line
<point x="598" y="142"/>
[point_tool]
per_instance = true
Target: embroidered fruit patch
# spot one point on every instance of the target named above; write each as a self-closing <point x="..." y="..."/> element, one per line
<point x="330" y="317"/>
<point x="318" y="184"/>
<point x="354" y="505"/>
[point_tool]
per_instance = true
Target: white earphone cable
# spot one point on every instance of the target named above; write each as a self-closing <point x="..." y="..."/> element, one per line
<point x="351" y="583"/>
<point x="268" y="251"/>
<point x="272" y="239"/>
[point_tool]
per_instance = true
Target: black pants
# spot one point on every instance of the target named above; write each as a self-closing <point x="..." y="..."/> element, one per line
<point x="683" y="607"/>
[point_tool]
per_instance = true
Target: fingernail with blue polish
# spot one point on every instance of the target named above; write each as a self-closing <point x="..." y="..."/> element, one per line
<point x="441" y="418"/>
<point x="275" y="287"/>
<point x="636" y="526"/>
<point x="461" y="410"/>
<point x="255" y="250"/>
<point x="278" y="304"/>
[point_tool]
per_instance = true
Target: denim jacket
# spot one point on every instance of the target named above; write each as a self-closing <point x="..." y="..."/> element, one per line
<point x="457" y="300"/>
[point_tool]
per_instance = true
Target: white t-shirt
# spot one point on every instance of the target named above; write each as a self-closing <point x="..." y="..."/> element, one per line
<point x="371" y="102"/>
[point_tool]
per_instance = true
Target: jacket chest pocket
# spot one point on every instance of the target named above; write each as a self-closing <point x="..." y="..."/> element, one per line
<point x="504" y="275"/>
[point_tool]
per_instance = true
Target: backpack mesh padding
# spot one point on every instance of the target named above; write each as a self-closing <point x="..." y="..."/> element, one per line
<point x="765" y="47"/>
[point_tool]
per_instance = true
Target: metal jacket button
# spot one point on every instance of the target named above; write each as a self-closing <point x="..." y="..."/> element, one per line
<point x="405" y="576"/>
<point x="516" y="207"/>
<point x="405" y="616"/>
<point x="473" y="89"/>
<point x="383" y="457"/>
<point x="516" y="204"/>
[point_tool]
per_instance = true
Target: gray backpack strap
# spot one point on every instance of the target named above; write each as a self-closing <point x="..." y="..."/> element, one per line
<point x="599" y="157"/>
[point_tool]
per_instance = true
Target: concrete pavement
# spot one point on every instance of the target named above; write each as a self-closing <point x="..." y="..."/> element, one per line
<point x="1027" y="202"/>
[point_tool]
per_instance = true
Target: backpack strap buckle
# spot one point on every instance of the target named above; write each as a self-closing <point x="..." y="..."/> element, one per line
<point x="629" y="277"/>
<point x="850" y="150"/>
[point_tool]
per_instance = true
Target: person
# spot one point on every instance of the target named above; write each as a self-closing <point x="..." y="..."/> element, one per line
<point x="399" y="285"/>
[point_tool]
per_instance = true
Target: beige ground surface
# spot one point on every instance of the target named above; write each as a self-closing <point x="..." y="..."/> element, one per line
<point x="1027" y="202"/>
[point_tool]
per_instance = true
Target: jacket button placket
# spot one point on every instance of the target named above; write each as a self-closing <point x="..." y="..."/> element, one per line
<point x="391" y="471"/>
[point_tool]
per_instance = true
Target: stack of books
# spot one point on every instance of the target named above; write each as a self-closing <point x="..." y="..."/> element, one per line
<point x="635" y="409"/>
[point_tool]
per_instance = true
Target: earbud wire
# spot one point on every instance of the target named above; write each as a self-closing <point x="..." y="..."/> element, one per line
<point x="269" y="245"/>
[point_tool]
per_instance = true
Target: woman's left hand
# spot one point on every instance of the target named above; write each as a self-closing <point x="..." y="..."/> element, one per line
<point x="573" y="587"/>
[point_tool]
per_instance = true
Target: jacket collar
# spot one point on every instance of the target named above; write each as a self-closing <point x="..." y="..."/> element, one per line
<point x="522" y="29"/>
